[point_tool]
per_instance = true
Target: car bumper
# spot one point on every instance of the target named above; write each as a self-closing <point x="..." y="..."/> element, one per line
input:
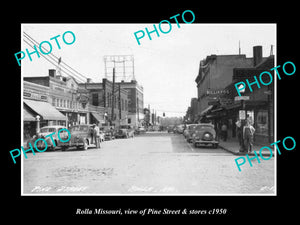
<point x="70" y="144"/>
<point x="205" y="142"/>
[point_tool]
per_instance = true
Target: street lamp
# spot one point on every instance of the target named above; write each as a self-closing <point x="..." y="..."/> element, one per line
<point x="37" y="124"/>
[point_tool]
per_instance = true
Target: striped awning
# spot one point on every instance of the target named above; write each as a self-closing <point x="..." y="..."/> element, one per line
<point x="45" y="110"/>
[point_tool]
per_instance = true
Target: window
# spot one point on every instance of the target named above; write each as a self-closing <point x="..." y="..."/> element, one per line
<point x="262" y="122"/>
<point x="53" y="101"/>
<point x="95" y="100"/>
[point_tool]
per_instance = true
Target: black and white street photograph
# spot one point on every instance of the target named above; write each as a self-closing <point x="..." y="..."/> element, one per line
<point x="141" y="109"/>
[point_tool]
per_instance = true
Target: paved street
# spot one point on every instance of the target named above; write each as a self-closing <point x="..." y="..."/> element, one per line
<point x="151" y="163"/>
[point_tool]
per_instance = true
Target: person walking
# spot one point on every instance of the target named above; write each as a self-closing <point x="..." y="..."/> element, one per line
<point x="224" y="131"/>
<point x="239" y="132"/>
<point x="97" y="135"/>
<point x="248" y="133"/>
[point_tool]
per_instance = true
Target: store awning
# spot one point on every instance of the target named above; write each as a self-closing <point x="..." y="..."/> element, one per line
<point x="205" y="111"/>
<point x="27" y="116"/>
<point x="45" y="110"/>
<point x="97" y="116"/>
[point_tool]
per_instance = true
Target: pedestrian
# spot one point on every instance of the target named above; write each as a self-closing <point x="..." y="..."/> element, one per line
<point x="97" y="135"/>
<point x="224" y="131"/>
<point x="239" y="132"/>
<point x="248" y="132"/>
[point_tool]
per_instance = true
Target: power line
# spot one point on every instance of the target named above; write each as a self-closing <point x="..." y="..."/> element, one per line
<point x="53" y="63"/>
<point x="34" y="42"/>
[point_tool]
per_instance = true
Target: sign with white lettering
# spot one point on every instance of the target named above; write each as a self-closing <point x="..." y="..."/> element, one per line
<point x="239" y="98"/>
<point x="242" y="114"/>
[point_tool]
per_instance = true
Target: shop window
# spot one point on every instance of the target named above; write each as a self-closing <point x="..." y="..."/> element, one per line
<point x="262" y="122"/>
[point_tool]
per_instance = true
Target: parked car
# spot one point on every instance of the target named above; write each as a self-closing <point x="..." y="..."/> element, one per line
<point x="125" y="131"/>
<point x="179" y="129"/>
<point x="109" y="133"/>
<point x="82" y="136"/>
<point x="44" y="131"/>
<point x="189" y="131"/>
<point x="204" y="133"/>
<point x="170" y="129"/>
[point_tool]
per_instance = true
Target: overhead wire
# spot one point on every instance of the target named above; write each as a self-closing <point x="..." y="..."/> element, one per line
<point x="55" y="58"/>
<point x="54" y="63"/>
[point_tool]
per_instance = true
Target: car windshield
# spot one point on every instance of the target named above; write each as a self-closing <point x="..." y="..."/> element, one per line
<point x="48" y="129"/>
<point x="202" y="126"/>
<point x="192" y="127"/>
<point x="79" y="128"/>
<point x="124" y="127"/>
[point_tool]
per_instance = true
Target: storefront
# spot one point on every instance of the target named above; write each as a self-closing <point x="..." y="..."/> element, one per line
<point x="255" y="111"/>
<point x="40" y="112"/>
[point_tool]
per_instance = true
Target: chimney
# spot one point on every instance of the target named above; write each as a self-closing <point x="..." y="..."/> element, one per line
<point x="52" y="73"/>
<point x="89" y="80"/>
<point x="257" y="55"/>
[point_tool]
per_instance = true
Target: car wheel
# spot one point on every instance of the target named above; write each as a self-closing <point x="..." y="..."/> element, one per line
<point x="51" y="148"/>
<point x="64" y="148"/>
<point x="215" y="145"/>
<point x="85" y="145"/>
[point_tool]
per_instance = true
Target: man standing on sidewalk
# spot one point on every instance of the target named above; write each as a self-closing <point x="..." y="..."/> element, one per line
<point x="224" y="131"/>
<point x="248" y="133"/>
<point x="97" y="135"/>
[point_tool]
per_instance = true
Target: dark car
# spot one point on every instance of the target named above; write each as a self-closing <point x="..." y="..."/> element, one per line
<point x="44" y="131"/>
<point x="170" y="129"/>
<point x="81" y="137"/>
<point x="204" y="133"/>
<point x="109" y="133"/>
<point x="124" y="131"/>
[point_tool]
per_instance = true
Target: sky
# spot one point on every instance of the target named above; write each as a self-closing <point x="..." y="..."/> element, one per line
<point x="165" y="66"/>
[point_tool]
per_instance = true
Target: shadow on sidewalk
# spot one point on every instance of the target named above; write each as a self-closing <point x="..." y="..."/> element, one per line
<point x="233" y="147"/>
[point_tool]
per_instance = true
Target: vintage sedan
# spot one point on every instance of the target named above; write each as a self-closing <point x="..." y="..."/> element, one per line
<point x="124" y="131"/>
<point x="44" y="131"/>
<point x="189" y="131"/>
<point x="204" y="133"/>
<point x="82" y="137"/>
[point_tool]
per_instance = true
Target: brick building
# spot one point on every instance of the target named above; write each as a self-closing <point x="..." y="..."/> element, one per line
<point x="224" y="107"/>
<point x="101" y="95"/>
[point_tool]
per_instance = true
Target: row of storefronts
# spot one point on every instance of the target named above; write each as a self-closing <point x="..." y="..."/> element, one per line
<point x="218" y="101"/>
<point x="58" y="100"/>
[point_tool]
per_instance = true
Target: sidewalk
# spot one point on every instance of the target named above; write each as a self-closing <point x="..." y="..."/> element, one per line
<point x="233" y="147"/>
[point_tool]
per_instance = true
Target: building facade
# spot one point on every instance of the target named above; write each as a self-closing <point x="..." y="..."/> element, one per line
<point x="215" y="73"/>
<point x="113" y="104"/>
<point x="135" y="102"/>
<point x="220" y="104"/>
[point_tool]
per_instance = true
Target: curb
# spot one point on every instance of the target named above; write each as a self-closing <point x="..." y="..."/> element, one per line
<point x="241" y="153"/>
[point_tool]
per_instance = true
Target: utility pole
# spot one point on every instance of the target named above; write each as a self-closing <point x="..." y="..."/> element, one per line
<point x="113" y="97"/>
<point x="120" y="112"/>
